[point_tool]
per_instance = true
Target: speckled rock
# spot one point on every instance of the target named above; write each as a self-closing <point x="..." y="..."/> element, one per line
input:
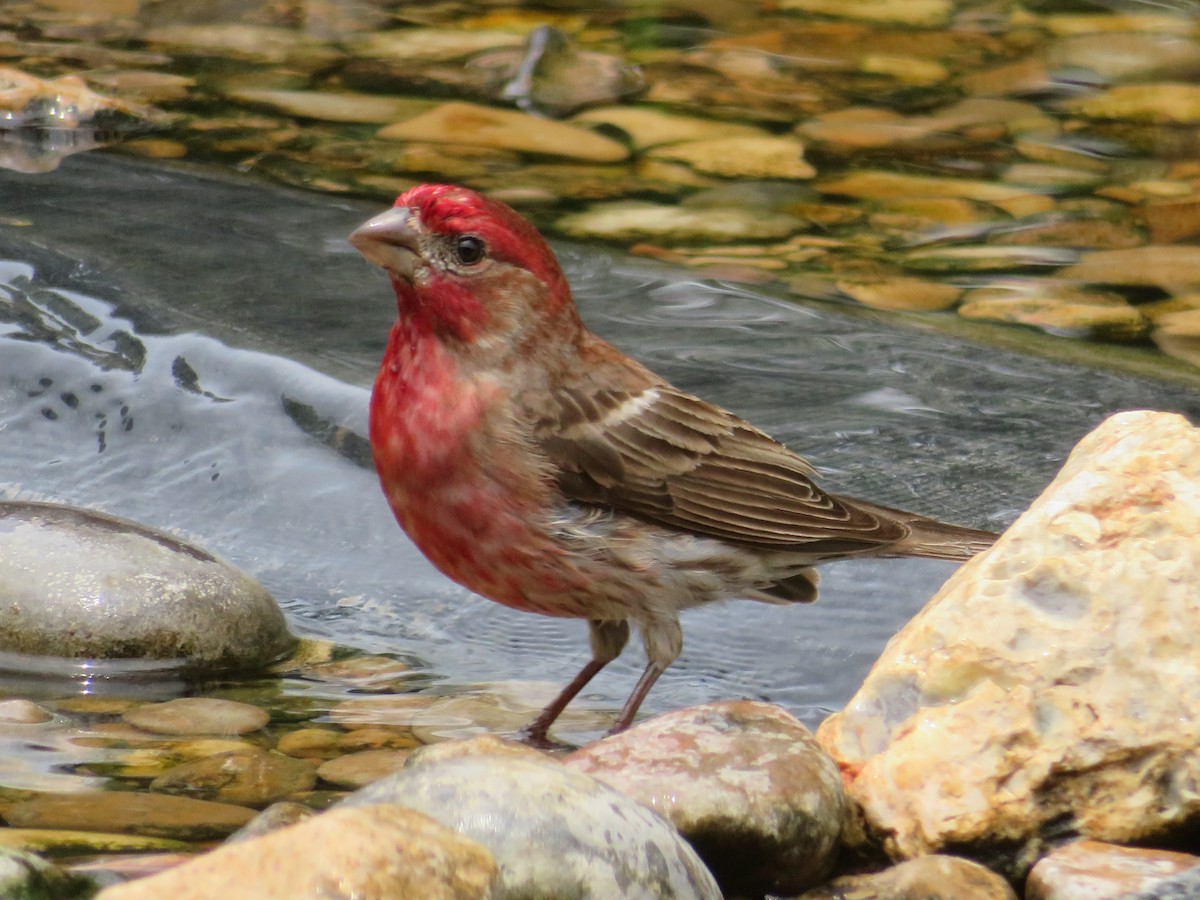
<point x="1093" y="870"/>
<point x="933" y="877"/>
<point x="1076" y="701"/>
<point x="745" y="782"/>
<point x="555" y="832"/>
<point x="79" y="583"/>
<point x="381" y="852"/>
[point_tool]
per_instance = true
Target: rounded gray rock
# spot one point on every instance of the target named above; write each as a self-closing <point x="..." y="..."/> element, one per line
<point x="555" y="832"/>
<point x="81" y="584"/>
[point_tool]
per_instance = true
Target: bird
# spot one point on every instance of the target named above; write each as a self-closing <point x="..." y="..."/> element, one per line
<point x="539" y="466"/>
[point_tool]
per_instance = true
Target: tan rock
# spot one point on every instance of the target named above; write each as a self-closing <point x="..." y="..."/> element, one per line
<point x="880" y="185"/>
<point x="1124" y="56"/>
<point x="432" y="44"/>
<point x="151" y="815"/>
<point x="1059" y="309"/>
<point x="1169" y="103"/>
<point x="860" y="127"/>
<point x="933" y="877"/>
<point x="1171" y="267"/>
<point x="648" y="127"/>
<point x="1105" y="23"/>
<point x="1055" y="675"/>
<point x="1100" y="871"/>
<point x="742" y="157"/>
<point x="906" y="294"/>
<point x="485" y="126"/>
<point x="629" y="221"/>
<point x="907" y="70"/>
<point x="382" y="852"/>
<point x="248" y="777"/>
<point x="198" y="715"/>
<point x="1178" y="333"/>
<point x="355" y="770"/>
<point x="333" y="107"/>
<point x="920" y="13"/>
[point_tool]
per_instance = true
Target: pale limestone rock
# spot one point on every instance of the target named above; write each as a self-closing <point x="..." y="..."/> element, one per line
<point x="372" y="853"/>
<point x="1055" y="678"/>
<point x="1099" y="871"/>
<point x="745" y="782"/>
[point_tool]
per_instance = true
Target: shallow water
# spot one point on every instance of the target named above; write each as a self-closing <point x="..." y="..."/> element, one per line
<point x="194" y="353"/>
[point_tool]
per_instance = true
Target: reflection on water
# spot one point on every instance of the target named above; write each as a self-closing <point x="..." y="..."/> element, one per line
<point x="199" y="404"/>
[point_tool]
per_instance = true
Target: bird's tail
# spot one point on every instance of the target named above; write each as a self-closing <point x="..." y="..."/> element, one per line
<point x="932" y="539"/>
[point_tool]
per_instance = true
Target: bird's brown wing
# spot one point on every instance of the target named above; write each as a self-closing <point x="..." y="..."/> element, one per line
<point x="665" y="456"/>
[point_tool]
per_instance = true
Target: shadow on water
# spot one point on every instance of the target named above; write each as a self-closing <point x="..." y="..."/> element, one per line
<point x="194" y="353"/>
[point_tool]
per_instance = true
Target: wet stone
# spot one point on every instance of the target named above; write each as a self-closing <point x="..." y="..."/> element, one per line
<point x="646" y="127"/>
<point x="276" y="816"/>
<point x="555" y="77"/>
<point x="1098" y="870"/>
<point x="630" y="221"/>
<point x="376" y="852"/>
<point x="742" y="157"/>
<point x="79" y="583"/>
<point x="469" y="123"/>
<point x="26" y="875"/>
<point x="907" y="294"/>
<point x="23" y="712"/>
<point x="1178" y="334"/>
<point x="990" y="258"/>
<point x="151" y="815"/>
<point x="333" y="107"/>
<point x="198" y="715"/>
<point x="744" y="782"/>
<point x="1171" y="103"/>
<point x="1058" y="310"/>
<point x="554" y="832"/>
<point x="68" y="842"/>
<point x="356" y="770"/>
<point x="924" y="13"/>
<point x="246" y="777"/>
<point x="933" y="877"/>
<point x="311" y="743"/>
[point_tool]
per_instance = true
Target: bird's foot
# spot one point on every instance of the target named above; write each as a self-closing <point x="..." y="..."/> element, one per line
<point x="538" y="739"/>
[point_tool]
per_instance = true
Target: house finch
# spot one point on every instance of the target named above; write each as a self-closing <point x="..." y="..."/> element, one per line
<point x="539" y="466"/>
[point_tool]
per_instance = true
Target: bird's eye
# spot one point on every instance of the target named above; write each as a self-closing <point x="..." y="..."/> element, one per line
<point x="469" y="249"/>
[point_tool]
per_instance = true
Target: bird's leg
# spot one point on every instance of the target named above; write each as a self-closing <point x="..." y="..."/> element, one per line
<point x="664" y="642"/>
<point x="608" y="639"/>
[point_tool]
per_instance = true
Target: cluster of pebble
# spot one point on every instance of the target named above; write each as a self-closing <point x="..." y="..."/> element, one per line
<point x="1018" y="163"/>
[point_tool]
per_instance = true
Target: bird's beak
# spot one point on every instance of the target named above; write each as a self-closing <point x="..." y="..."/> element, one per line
<point x="389" y="240"/>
